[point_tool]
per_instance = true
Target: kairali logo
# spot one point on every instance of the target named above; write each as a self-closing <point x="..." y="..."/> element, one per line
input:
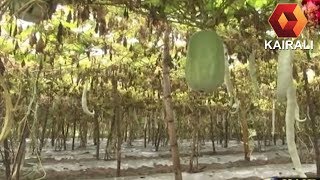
<point x="288" y="21"/>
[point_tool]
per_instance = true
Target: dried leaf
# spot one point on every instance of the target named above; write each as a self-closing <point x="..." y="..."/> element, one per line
<point x="15" y="31"/>
<point x="23" y="63"/>
<point x="40" y="46"/>
<point x="101" y="13"/>
<point x="10" y="29"/>
<point x="69" y="17"/>
<point x="124" y="42"/>
<point x="2" y="68"/>
<point x="32" y="39"/>
<point x="126" y="14"/>
<point x="85" y="14"/>
<point x="102" y="28"/>
<point x="120" y="38"/>
<point x="105" y="48"/>
<point x="96" y="29"/>
<point x="88" y="54"/>
<point x="51" y="61"/>
<point x="52" y="8"/>
<point x="110" y="53"/>
<point x="60" y="33"/>
<point x="16" y="47"/>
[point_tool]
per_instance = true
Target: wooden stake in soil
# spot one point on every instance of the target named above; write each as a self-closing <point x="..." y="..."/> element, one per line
<point x="245" y="133"/>
<point x="168" y="105"/>
<point x="118" y="122"/>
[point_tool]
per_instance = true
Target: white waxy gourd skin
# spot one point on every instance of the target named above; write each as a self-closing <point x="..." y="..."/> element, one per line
<point x="284" y="73"/>
<point x="227" y="81"/>
<point x="290" y="129"/>
<point x="253" y="71"/>
<point x="283" y="82"/>
<point x="287" y="89"/>
<point x="84" y="101"/>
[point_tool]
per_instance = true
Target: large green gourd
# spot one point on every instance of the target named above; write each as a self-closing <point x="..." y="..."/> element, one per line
<point x="205" y="61"/>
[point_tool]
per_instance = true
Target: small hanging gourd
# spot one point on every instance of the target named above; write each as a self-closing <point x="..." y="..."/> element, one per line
<point x="84" y="100"/>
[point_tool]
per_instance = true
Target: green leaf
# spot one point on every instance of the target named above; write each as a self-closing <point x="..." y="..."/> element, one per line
<point x="154" y="2"/>
<point x="257" y="3"/>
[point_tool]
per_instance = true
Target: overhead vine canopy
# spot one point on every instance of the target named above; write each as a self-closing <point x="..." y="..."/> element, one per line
<point x="205" y="14"/>
<point x="103" y="28"/>
<point x="248" y="15"/>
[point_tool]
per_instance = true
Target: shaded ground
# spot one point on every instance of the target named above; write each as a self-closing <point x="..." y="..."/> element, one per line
<point x="144" y="163"/>
<point x="143" y="171"/>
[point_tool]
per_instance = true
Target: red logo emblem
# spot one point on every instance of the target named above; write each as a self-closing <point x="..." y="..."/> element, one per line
<point x="288" y="20"/>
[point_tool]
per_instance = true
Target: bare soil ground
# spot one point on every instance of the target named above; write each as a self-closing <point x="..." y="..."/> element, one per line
<point x="142" y="162"/>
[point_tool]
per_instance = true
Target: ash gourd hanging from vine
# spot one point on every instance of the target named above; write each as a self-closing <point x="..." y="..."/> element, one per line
<point x="207" y="65"/>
